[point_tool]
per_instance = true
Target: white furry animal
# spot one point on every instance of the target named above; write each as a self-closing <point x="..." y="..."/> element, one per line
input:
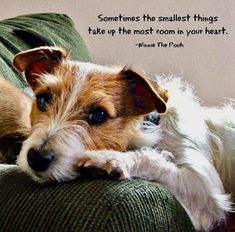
<point x="86" y="115"/>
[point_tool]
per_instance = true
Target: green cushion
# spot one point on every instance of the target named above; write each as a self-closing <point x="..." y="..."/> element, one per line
<point x="85" y="205"/>
<point x="24" y="32"/>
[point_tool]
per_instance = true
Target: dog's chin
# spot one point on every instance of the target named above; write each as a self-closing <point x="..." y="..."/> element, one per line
<point x="50" y="175"/>
<point x="54" y="174"/>
<point x="42" y="178"/>
<point x="37" y="178"/>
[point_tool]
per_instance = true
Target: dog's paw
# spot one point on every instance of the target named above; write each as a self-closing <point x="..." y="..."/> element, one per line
<point x="103" y="163"/>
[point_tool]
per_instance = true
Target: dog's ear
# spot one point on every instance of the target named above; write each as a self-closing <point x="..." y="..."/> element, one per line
<point x="37" y="61"/>
<point x="141" y="95"/>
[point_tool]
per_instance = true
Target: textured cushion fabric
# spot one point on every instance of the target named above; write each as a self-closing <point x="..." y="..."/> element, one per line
<point x="24" y="32"/>
<point x="87" y="205"/>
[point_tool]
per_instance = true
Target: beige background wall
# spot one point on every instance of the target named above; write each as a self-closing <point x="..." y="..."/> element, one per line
<point x="207" y="62"/>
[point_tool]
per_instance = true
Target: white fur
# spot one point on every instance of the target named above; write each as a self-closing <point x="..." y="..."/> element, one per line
<point x="193" y="155"/>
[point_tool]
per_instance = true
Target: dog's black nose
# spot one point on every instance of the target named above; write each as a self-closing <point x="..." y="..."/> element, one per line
<point x="39" y="160"/>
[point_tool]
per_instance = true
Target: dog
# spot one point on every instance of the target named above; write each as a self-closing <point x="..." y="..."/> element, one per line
<point x="88" y="116"/>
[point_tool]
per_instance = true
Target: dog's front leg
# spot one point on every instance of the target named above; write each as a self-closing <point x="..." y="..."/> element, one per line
<point x="193" y="179"/>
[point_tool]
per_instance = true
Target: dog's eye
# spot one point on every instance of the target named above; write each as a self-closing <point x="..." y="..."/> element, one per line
<point x="42" y="100"/>
<point x="97" y="116"/>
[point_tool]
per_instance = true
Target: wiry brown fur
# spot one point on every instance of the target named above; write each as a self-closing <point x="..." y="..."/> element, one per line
<point x="108" y="91"/>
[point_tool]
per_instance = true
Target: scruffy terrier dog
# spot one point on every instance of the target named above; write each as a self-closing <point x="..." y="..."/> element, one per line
<point x="90" y="116"/>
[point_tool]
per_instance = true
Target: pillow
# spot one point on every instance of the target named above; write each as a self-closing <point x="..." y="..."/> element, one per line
<point x="29" y="31"/>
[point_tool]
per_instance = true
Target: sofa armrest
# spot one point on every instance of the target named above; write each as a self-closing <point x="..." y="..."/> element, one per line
<point x="87" y="205"/>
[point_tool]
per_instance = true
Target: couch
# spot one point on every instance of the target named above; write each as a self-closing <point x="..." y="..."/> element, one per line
<point x="85" y="204"/>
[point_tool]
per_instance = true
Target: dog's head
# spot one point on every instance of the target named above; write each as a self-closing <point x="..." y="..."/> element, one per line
<point x="80" y="106"/>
